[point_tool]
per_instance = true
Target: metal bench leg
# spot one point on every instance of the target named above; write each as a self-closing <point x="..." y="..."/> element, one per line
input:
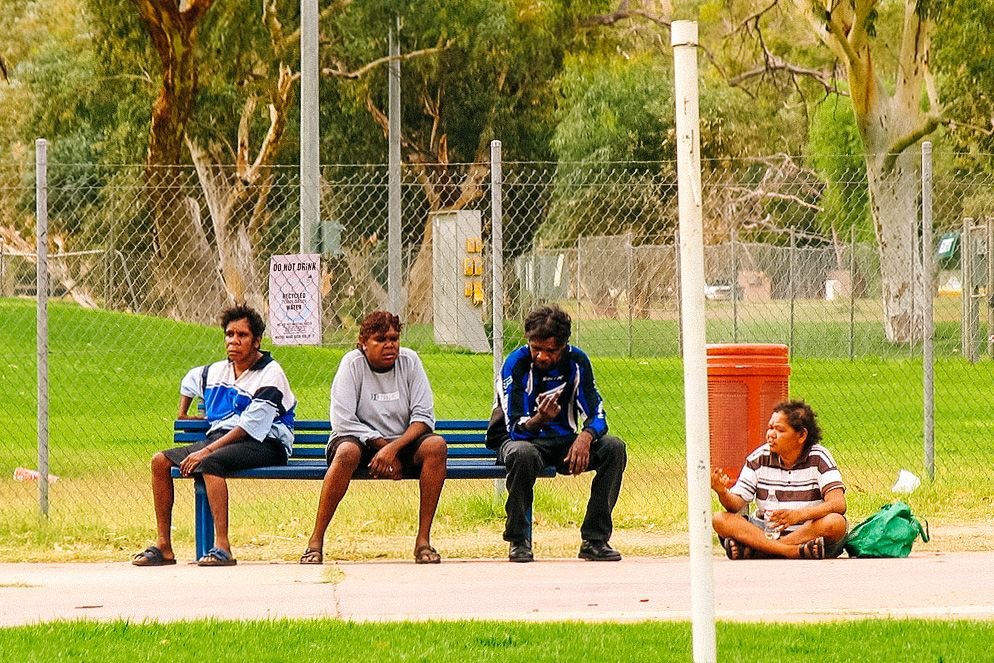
<point x="204" y="519"/>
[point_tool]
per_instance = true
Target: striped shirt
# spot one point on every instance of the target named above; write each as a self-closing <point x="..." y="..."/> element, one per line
<point x="259" y="401"/>
<point x="764" y="478"/>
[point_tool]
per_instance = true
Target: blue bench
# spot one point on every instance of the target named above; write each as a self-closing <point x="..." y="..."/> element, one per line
<point x="468" y="458"/>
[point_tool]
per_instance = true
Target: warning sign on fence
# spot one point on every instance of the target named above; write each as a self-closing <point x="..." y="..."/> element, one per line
<point x="295" y="299"/>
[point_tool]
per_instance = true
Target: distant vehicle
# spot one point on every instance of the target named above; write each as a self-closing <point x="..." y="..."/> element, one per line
<point x="717" y="291"/>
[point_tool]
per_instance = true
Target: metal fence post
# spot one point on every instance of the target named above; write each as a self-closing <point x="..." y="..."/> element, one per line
<point x="497" y="271"/>
<point x="735" y="288"/>
<point x="497" y="253"/>
<point x="41" y="284"/>
<point x="629" y="289"/>
<point x="310" y="128"/>
<point x="393" y="179"/>
<point x="969" y="333"/>
<point x="579" y="298"/>
<point x="928" y="367"/>
<point x="793" y="289"/>
<point x="990" y="285"/>
<point x="852" y="292"/>
<point x="678" y="284"/>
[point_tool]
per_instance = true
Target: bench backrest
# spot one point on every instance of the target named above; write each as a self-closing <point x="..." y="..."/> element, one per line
<point x="465" y="437"/>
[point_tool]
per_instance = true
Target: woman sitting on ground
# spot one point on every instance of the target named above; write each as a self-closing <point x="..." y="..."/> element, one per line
<point x="798" y="489"/>
<point x="382" y="415"/>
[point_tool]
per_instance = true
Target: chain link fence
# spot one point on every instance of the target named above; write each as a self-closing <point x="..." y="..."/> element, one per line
<point x="141" y="263"/>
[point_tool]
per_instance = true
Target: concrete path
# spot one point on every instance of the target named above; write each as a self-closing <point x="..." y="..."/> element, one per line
<point x="945" y="585"/>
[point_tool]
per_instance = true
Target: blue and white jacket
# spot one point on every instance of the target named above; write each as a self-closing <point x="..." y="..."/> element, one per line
<point x="581" y="405"/>
<point x="259" y="401"/>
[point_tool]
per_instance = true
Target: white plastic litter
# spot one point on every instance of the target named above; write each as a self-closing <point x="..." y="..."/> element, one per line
<point x="24" y="474"/>
<point x="906" y="483"/>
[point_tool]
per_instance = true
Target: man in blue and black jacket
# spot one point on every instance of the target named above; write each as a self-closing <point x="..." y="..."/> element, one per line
<point x="545" y="395"/>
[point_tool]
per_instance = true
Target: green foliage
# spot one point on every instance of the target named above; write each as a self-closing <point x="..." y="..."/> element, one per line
<point x="835" y="151"/>
<point x="614" y="109"/>
<point x="963" y="56"/>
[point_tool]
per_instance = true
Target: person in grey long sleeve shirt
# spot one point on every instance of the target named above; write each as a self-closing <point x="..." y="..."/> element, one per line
<point x="382" y="415"/>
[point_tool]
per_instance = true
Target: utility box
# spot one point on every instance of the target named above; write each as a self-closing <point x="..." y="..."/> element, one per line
<point x="745" y="382"/>
<point x="457" y="273"/>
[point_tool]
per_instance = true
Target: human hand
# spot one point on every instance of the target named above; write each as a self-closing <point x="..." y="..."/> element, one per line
<point x="578" y="457"/>
<point x="384" y="464"/>
<point x="719" y="480"/>
<point x="548" y="405"/>
<point x="781" y="518"/>
<point x="191" y="462"/>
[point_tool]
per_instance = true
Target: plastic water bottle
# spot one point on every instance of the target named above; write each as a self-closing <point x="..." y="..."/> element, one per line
<point x="770" y="529"/>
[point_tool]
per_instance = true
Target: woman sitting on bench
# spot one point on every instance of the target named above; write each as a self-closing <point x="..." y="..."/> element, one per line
<point x="250" y="407"/>
<point x="382" y="415"/>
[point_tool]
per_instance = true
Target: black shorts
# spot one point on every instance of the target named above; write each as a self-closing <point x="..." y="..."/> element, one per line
<point x="245" y="454"/>
<point x="406" y="455"/>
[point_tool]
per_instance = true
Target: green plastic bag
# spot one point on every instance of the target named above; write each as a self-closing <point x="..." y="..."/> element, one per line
<point x="887" y="533"/>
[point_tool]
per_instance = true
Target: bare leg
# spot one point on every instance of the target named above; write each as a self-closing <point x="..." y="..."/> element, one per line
<point x="217" y="497"/>
<point x="333" y="488"/>
<point x="162" y="498"/>
<point x="731" y="525"/>
<point x="431" y="457"/>
<point x="832" y="527"/>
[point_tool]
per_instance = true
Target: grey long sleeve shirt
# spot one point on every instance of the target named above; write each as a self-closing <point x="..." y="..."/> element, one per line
<point x="367" y="405"/>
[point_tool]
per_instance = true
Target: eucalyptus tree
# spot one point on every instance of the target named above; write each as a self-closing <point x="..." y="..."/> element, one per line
<point x="493" y="78"/>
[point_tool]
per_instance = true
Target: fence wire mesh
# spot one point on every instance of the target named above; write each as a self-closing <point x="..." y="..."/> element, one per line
<point x="142" y="262"/>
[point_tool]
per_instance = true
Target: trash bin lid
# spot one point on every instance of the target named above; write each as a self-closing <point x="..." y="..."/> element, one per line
<point x="746" y="357"/>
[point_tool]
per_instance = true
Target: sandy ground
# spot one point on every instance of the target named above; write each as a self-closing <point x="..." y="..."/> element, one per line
<point x="932" y="585"/>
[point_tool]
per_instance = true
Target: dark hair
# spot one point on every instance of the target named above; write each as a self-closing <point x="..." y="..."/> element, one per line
<point x="801" y="417"/>
<point x="242" y="312"/>
<point x="548" y="322"/>
<point x="378" y="322"/>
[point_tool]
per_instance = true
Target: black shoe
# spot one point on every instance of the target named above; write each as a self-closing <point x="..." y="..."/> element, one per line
<point x="598" y="551"/>
<point x="521" y="551"/>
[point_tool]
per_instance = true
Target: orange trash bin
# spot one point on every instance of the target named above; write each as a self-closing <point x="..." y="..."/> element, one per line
<point x="745" y="382"/>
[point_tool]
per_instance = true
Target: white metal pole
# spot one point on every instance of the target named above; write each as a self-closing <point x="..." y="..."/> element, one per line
<point x="41" y="283"/>
<point x="393" y="184"/>
<point x="684" y="41"/>
<point x="310" y="136"/>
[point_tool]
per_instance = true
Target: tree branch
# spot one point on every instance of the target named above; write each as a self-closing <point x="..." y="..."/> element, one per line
<point x="339" y="71"/>
<point x="622" y="13"/>
<point x="774" y="63"/>
<point x="904" y="142"/>
<point x="294" y="36"/>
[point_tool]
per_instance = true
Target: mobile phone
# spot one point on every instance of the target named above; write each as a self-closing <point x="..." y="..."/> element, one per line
<point x="552" y="394"/>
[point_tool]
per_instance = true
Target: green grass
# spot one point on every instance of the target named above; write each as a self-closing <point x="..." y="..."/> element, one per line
<point x="907" y="641"/>
<point x="113" y="390"/>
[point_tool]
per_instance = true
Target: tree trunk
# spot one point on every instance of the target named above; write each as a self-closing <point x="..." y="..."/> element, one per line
<point x="186" y="280"/>
<point x="894" y="200"/>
